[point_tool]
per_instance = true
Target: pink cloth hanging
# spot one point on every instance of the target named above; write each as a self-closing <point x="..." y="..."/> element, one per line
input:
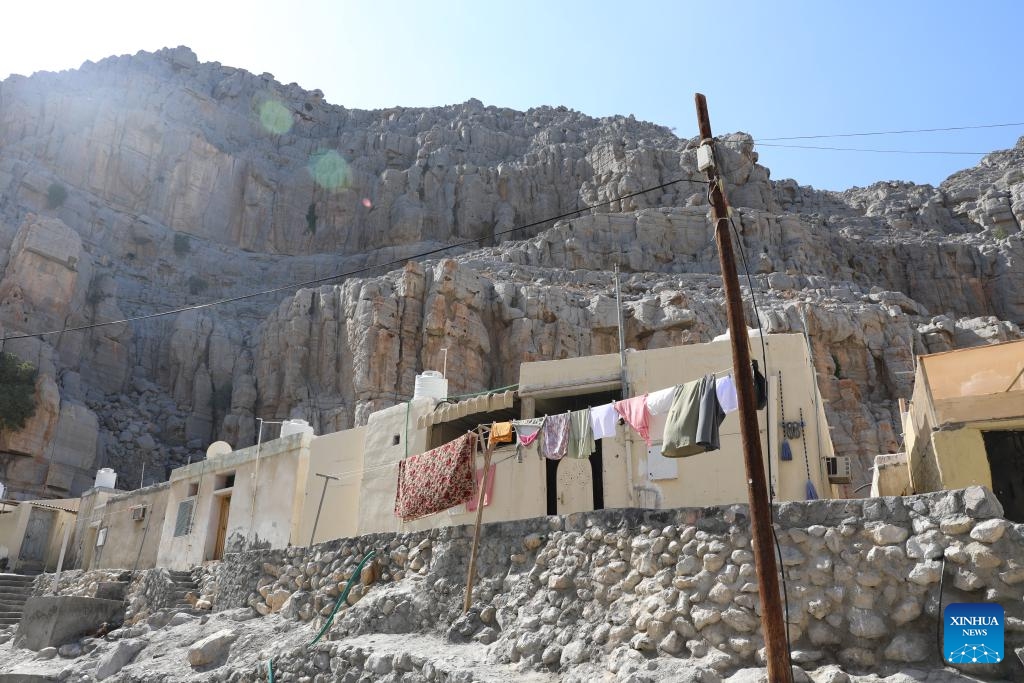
<point x="635" y="412"/>
<point x="471" y="503"/>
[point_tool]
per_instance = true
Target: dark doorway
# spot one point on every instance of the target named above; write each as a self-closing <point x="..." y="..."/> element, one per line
<point x="552" y="406"/>
<point x="1005" y="452"/>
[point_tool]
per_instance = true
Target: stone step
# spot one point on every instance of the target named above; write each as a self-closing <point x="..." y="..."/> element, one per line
<point x="11" y="606"/>
<point x="16" y="584"/>
<point x="14" y="597"/>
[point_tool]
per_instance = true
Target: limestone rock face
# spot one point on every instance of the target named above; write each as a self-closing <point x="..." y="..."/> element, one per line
<point x="154" y="182"/>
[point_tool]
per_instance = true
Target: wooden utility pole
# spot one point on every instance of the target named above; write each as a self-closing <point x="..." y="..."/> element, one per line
<point x="471" y="572"/>
<point x="772" y="623"/>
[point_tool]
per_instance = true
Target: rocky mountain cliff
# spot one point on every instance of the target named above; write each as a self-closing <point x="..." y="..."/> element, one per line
<point x="152" y="182"/>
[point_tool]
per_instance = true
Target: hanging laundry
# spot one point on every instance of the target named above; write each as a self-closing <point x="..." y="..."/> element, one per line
<point x="581" y="434"/>
<point x="554" y="436"/>
<point x="725" y="388"/>
<point x="760" y="387"/>
<point x="710" y="417"/>
<point x="634" y="411"/>
<point x="528" y="430"/>
<point x="680" y="437"/>
<point x="660" y="402"/>
<point x="603" y="420"/>
<point x="436" y="480"/>
<point x="488" y="491"/>
<point x="501" y="432"/>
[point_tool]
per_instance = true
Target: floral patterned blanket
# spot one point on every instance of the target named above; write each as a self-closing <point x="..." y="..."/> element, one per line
<point x="436" y="480"/>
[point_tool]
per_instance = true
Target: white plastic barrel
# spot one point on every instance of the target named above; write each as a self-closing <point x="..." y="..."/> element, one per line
<point x="3" y="490"/>
<point x="289" y="427"/>
<point x="430" y="384"/>
<point x="106" y="478"/>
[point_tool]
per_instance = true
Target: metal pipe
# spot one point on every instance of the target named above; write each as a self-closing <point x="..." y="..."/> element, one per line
<point x="624" y="381"/>
<point x="327" y="478"/>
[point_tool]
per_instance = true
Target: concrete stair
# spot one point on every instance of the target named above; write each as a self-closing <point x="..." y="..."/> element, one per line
<point x="184" y="584"/>
<point x="15" y="589"/>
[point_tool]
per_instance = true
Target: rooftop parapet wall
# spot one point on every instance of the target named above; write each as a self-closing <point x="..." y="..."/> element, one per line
<point x="862" y="575"/>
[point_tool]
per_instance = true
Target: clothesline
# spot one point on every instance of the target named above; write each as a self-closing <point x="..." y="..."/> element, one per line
<point x="444" y="477"/>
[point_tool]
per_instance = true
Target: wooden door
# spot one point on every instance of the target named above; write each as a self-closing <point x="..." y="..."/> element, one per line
<point x="575" y="486"/>
<point x="222" y="527"/>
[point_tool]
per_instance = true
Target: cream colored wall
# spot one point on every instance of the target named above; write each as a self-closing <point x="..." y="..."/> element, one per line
<point x="90" y="513"/>
<point x="891" y="478"/>
<point x="706" y="479"/>
<point x="569" y="376"/>
<point x="63" y="520"/>
<point x="340" y="455"/>
<point x="961" y="458"/>
<point x="10" y="539"/>
<point x="917" y="438"/>
<point x="129" y="543"/>
<point x="719" y="477"/>
<point x="976" y="371"/>
<point x="519" y="492"/>
<point x="270" y="520"/>
<point x="380" y="461"/>
<point x="12" y="533"/>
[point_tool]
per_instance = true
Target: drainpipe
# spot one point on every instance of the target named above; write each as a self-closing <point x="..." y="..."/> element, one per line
<point x="625" y="387"/>
<point x="60" y="560"/>
<point x="256" y="476"/>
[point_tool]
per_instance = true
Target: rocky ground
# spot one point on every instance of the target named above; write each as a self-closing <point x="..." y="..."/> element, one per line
<point x="630" y="595"/>
<point x="235" y="645"/>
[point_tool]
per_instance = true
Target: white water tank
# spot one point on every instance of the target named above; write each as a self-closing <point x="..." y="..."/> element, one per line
<point x="431" y="384"/>
<point x="106" y="478"/>
<point x="289" y="427"/>
<point x="217" y="449"/>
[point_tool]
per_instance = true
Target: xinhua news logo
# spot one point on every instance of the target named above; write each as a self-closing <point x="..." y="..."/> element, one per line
<point x="972" y="633"/>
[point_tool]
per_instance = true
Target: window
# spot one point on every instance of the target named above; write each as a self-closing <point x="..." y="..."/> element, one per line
<point x="193" y="489"/>
<point x="183" y="522"/>
<point x="101" y="538"/>
<point x="224" y="481"/>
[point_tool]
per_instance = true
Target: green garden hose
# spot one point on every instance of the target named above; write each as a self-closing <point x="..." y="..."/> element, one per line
<point x="342" y="598"/>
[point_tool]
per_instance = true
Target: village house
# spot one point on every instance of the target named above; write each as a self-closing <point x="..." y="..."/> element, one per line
<point x="35" y="534"/>
<point x="301" y="489"/>
<point x="964" y="425"/>
<point x="624" y="471"/>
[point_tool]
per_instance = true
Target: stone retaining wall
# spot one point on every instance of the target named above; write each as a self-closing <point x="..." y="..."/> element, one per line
<point x="863" y="580"/>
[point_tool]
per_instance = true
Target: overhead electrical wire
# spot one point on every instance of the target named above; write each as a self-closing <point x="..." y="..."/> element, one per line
<point x="876" y="151"/>
<point x="763" y="142"/>
<point x="337" y="276"/>
<point x="892" y="132"/>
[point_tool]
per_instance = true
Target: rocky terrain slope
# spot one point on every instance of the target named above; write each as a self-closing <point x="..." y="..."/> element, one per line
<point x="618" y="595"/>
<point x="150" y="182"/>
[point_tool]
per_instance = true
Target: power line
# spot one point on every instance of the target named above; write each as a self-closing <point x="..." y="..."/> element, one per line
<point x="876" y="151"/>
<point x="895" y="132"/>
<point x="299" y="285"/>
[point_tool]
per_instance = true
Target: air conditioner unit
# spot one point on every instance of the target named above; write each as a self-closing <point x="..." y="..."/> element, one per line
<point x="139" y="513"/>
<point x="840" y="469"/>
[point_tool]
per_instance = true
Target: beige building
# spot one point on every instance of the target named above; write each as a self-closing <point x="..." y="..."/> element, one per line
<point x="120" y="530"/>
<point x="273" y="495"/>
<point x="623" y="472"/>
<point x="965" y="423"/>
<point x="249" y="498"/>
<point x="33" y="533"/>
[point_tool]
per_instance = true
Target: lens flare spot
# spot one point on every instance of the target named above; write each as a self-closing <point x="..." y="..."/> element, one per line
<point x="275" y="117"/>
<point x="329" y="170"/>
<point x="367" y="203"/>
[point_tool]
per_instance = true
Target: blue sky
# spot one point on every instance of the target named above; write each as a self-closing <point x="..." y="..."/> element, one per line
<point x="767" y="68"/>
